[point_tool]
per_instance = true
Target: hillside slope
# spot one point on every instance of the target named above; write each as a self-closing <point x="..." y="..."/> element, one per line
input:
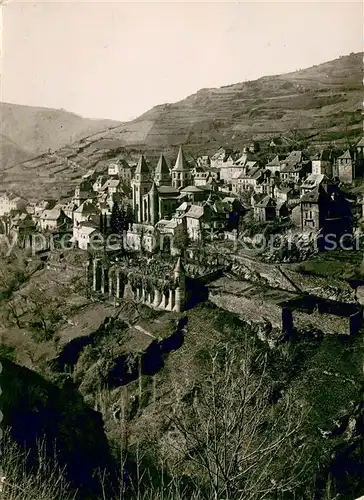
<point x="323" y="103"/>
<point x="325" y="99"/>
<point x="32" y="130"/>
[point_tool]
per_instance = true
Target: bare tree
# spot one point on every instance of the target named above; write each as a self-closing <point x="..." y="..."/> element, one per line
<point x="245" y="446"/>
<point x="43" y="312"/>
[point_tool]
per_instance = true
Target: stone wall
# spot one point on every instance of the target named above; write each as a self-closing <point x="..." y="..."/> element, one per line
<point x="327" y="323"/>
<point x="261" y="272"/>
<point x="115" y="283"/>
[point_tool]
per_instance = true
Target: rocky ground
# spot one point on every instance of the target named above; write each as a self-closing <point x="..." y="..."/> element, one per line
<point x="130" y="363"/>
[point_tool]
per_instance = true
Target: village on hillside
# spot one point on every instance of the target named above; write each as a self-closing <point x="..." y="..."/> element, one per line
<point x="159" y="206"/>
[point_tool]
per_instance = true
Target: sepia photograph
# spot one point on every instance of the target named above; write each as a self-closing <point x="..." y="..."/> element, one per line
<point x="181" y="250"/>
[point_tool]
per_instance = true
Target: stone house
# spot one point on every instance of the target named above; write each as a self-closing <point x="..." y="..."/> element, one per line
<point x="311" y="182"/>
<point x="285" y="194"/>
<point x="83" y="192"/>
<point x="322" y="163"/>
<point x="68" y="208"/>
<point x="99" y="183"/>
<point x="325" y="209"/>
<point x="194" y="218"/>
<point x="313" y="209"/>
<point x="193" y="194"/>
<point x="265" y="210"/>
<point x="274" y="166"/>
<point x="54" y="220"/>
<point x="295" y="167"/>
<point x="201" y="178"/>
<point x="223" y="158"/>
<point x="11" y="202"/>
<point x="345" y="167"/>
<point x="122" y="170"/>
<point x="203" y="161"/>
<point x="248" y="179"/>
<point x="22" y="227"/>
<point x="84" y="235"/>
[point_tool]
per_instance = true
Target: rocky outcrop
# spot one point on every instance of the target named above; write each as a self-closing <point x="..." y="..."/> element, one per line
<point x="36" y="409"/>
<point x="129" y="366"/>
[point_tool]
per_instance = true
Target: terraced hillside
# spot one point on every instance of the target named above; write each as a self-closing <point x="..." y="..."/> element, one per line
<point x="322" y="103"/>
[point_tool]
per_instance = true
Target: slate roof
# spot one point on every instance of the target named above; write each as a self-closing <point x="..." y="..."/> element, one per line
<point x="345" y="156"/>
<point x="195" y="212"/>
<point x="274" y="163"/>
<point x="285" y="189"/>
<point x="51" y="214"/>
<point x="266" y="202"/>
<point x="254" y="173"/>
<point x="323" y="155"/>
<point x="191" y="189"/>
<point x="183" y="207"/>
<point x="311" y="197"/>
<point x="181" y="164"/>
<point x="142" y="167"/>
<point x="87" y="228"/>
<point x="167" y="190"/>
<point x="162" y="167"/>
<point x="87" y="207"/>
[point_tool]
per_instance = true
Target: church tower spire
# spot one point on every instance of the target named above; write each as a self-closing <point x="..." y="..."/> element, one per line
<point x="181" y="172"/>
<point x="140" y="185"/>
<point x="162" y="175"/>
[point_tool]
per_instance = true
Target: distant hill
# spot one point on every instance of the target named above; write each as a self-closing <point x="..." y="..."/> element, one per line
<point x="322" y="103"/>
<point x="325" y="100"/>
<point x="27" y="131"/>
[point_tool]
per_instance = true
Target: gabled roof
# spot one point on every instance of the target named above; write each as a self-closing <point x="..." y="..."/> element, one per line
<point x="162" y="167"/>
<point x="223" y="152"/>
<point x="167" y="190"/>
<point x="274" y="163"/>
<point x="257" y="197"/>
<point x="87" y="207"/>
<point x="313" y="180"/>
<point x="229" y="199"/>
<point x="183" y="207"/>
<point x="291" y="167"/>
<point x="360" y="143"/>
<point x="112" y="183"/>
<point x="267" y="201"/>
<point x="244" y="158"/>
<point x="195" y="212"/>
<point x="312" y="196"/>
<point x="181" y="162"/>
<point x="323" y="155"/>
<point x="345" y="156"/>
<point x="88" y="174"/>
<point x="191" y="189"/>
<point x="52" y="214"/>
<point x="285" y="189"/>
<point x="87" y="229"/>
<point x="253" y="173"/>
<point x="142" y="167"/>
<point x="123" y="163"/>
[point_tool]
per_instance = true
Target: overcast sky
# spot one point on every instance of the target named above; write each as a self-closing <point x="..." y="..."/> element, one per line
<point x="117" y="60"/>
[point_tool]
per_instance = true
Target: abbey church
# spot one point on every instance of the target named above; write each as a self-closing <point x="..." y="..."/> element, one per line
<point x="157" y="196"/>
<point x="168" y="201"/>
